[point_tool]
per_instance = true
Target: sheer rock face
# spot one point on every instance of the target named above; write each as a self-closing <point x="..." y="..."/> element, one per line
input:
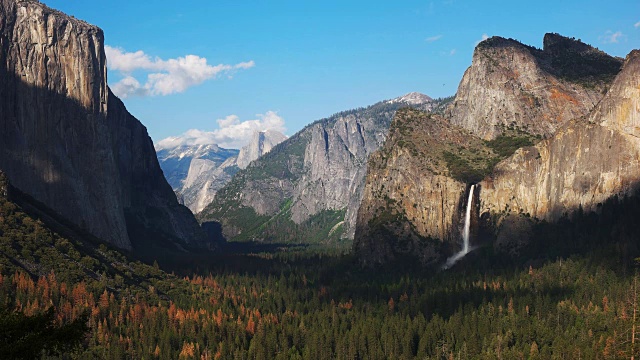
<point x="511" y="85"/>
<point x="203" y="181"/>
<point x="582" y="165"/>
<point x="67" y="141"/>
<point x="335" y="163"/>
<point x="261" y="143"/>
<point x="196" y="172"/>
<point x="324" y="171"/>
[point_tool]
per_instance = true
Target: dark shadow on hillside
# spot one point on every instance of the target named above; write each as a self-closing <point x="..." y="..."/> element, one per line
<point x="567" y="58"/>
<point x="86" y="243"/>
<point x="213" y="230"/>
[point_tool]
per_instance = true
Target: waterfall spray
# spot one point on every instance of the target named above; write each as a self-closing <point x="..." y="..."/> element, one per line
<point x="465" y="233"/>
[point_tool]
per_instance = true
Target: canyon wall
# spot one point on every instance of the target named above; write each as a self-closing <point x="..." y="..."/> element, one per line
<point x="68" y="142"/>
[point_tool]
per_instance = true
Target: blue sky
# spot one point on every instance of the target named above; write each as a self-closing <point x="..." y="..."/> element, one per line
<point x="298" y="61"/>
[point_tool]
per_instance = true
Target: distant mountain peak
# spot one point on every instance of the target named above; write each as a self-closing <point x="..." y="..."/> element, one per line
<point x="261" y="143"/>
<point x="412" y="98"/>
<point x="196" y="170"/>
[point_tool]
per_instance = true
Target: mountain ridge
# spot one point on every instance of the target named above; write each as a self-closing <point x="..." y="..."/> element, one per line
<point x="313" y="179"/>
<point x="513" y="85"/>
<point x="198" y="171"/>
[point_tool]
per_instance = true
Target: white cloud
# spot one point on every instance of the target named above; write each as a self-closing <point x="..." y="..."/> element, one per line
<point x="483" y="38"/>
<point x="637" y="25"/>
<point x="232" y="133"/>
<point x="128" y="87"/>
<point x="228" y="121"/>
<point x="452" y="52"/>
<point x="127" y="61"/>
<point x="611" y="37"/>
<point x="164" y="76"/>
<point x="433" y="38"/>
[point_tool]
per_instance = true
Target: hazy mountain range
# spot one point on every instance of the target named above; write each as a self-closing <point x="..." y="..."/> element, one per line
<point x="196" y="172"/>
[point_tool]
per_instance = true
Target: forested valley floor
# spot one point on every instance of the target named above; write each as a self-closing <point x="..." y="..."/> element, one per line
<point x="254" y="301"/>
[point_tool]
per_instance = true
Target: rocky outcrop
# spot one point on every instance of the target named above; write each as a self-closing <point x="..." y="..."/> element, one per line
<point x="315" y="177"/>
<point x="581" y="166"/>
<point x="412" y="98"/>
<point x="261" y="143"/>
<point x="335" y="166"/>
<point x="513" y="86"/>
<point x="68" y="142"/>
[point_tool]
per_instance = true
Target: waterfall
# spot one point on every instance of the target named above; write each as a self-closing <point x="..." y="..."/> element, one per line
<point x="465" y="233"/>
<point x="467" y="222"/>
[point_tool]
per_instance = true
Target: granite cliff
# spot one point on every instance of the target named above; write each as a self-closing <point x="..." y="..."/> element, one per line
<point x="512" y="85"/>
<point x="513" y="96"/>
<point x="582" y="165"/>
<point x="69" y="144"/>
<point x="261" y="143"/>
<point x="308" y="188"/>
<point x="410" y="198"/>
<point x="203" y="180"/>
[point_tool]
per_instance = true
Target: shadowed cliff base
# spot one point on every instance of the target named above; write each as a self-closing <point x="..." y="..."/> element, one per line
<point x="506" y="240"/>
<point x="147" y="245"/>
<point x="614" y="223"/>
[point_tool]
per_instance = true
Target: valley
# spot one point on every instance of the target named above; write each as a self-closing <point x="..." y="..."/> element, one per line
<point x="496" y="223"/>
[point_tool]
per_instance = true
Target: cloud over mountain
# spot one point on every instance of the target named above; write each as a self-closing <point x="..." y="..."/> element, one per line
<point x="232" y="132"/>
<point x="164" y="77"/>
